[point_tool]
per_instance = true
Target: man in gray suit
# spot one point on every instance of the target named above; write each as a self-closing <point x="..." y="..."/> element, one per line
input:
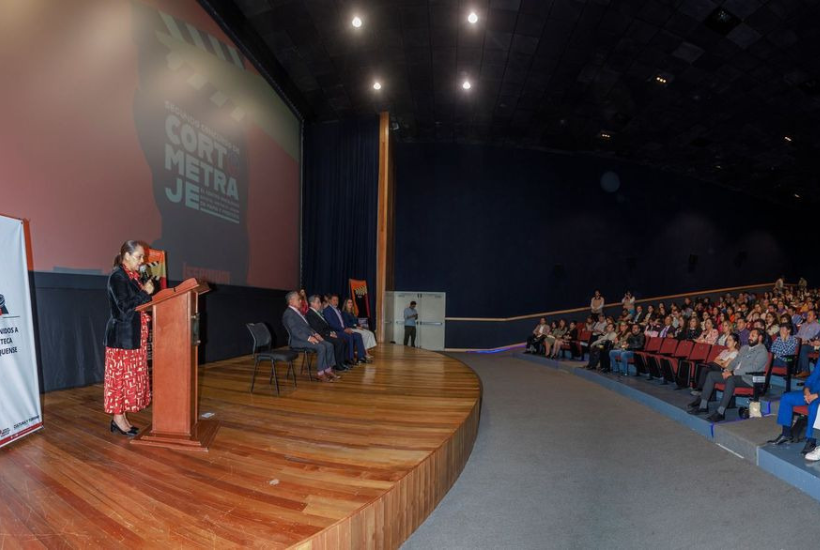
<point x="302" y="336"/>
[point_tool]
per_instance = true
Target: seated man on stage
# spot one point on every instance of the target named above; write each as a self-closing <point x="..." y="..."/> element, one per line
<point x="751" y="358"/>
<point x="303" y="336"/>
<point x="319" y="323"/>
<point x="807" y="396"/>
<point x="352" y="339"/>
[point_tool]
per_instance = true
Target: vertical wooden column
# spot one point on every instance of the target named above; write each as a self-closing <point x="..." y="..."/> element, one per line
<point x="384" y="238"/>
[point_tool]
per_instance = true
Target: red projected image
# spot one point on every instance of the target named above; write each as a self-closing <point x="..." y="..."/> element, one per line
<point x="165" y="132"/>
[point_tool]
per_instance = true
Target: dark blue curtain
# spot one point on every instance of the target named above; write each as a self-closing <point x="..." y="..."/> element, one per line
<point x="339" y="212"/>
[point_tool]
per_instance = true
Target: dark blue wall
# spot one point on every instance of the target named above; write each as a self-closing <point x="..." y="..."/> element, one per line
<point x="509" y="232"/>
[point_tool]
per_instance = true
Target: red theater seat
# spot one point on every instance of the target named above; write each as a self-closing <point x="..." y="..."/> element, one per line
<point x="652" y="345"/>
<point x="668" y="347"/>
<point x="686" y="368"/>
<point x="669" y="365"/>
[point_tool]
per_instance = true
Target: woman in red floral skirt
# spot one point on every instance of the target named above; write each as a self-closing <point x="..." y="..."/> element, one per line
<point x="127" y="387"/>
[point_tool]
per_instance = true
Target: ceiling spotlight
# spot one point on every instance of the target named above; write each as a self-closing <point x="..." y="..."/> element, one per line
<point x="377" y="85"/>
<point x="472" y="18"/>
<point x="796" y="196"/>
<point x="604" y="135"/>
<point x="787" y="138"/>
<point x="466" y="85"/>
<point x="718" y="166"/>
<point x="357" y="22"/>
<point x="661" y="80"/>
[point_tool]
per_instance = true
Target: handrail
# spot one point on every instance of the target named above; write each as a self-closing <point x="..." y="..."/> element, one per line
<point x="586" y="308"/>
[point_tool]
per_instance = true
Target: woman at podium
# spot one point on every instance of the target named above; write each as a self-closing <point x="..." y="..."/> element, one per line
<point x="127" y="387"/>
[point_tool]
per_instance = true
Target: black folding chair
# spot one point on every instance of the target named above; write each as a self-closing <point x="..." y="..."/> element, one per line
<point x="263" y="351"/>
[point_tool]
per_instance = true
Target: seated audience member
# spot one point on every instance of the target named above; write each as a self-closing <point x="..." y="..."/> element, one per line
<point x="639" y="316"/>
<point x="625" y="316"/>
<point x="802" y="284"/>
<point x="352" y="322"/>
<point x="564" y="341"/>
<point x="786" y="319"/>
<point x="653" y="328"/>
<point x="692" y="330"/>
<point x="709" y="334"/>
<point x="667" y="330"/>
<point x="601" y="346"/>
<point x="534" y="340"/>
<point x="553" y="341"/>
<point x="651" y="314"/>
<point x="600" y="325"/>
<point x="788" y="401"/>
<point x="302" y="335"/>
<point x="589" y="326"/>
<point x="772" y="326"/>
<point x="727" y="330"/>
<point x="721" y="362"/>
<point x="751" y="358"/>
<point x="353" y="340"/>
<point x="760" y="325"/>
<point x="808" y="336"/>
<point x="624" y="349"/>
<point x="742" y="330"/>
<point x="596" y="305"/>
<point x="317" y="322"/>
<point x="783" y="346"/>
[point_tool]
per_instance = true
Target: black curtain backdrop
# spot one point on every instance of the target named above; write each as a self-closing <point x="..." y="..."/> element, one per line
<point x="70" y="312"/>
<point x="341" y="194"/>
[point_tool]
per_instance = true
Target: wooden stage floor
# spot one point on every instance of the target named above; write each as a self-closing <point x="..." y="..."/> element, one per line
<point x="355" y="464"/>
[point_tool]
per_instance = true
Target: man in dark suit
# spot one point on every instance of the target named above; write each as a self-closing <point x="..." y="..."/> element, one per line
<point x="334" y="318"/>
<point x="303" y="336"/>
<point x="318" y="323"/>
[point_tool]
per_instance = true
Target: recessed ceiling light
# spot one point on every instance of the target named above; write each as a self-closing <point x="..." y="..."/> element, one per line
<point x="787" y="138"/>
<point x="466" y="85"/>
<point x="718" y="166"/>
<point x="796" y="196"/>
<point x="661" y="80"/>
<point x="603" y="134"/>
<point x="357" y="22"/>
<point x="472" y="18"/>
<point x="377" y="85"/>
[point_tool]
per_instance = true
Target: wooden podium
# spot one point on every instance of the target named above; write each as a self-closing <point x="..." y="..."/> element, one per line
<point x="176" y="423"/>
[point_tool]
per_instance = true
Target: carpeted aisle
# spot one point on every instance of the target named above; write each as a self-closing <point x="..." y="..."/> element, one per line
<point x="563" y="463"/>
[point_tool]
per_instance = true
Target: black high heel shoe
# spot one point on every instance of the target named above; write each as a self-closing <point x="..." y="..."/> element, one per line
<point x="115" y="428"/>
<point x="134" y="430"/>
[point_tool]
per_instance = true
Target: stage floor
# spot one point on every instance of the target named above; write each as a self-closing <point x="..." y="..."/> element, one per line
<point x="355" y="464"/>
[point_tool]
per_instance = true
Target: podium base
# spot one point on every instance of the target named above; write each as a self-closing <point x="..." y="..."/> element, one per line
<point x="202" y="435"/>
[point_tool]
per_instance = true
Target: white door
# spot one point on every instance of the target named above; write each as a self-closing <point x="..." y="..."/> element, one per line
<point x="431" y="324"/>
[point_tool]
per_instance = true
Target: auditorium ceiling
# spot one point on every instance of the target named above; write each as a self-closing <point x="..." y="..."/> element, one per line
<point x="725" y="91"/>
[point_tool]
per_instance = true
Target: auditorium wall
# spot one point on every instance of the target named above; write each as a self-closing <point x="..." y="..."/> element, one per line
<point x="508" y="232"/>
<point x="141" y="119"/>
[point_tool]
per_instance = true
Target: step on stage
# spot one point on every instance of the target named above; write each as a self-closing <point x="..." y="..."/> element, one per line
<point x="356" y="464"/>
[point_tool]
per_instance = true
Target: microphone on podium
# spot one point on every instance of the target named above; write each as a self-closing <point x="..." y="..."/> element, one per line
<point x="145" y="276"/>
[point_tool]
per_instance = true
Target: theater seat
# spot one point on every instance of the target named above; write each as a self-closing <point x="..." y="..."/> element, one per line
<point x="686" y="367"/>
<point x="668" y="347"/>
<point x="652" y="345"/>
<point x="669" y="365"/>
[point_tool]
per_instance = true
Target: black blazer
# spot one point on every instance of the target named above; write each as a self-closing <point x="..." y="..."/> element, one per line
<point x="123" y="328"/>
<point x="318" y="324"/>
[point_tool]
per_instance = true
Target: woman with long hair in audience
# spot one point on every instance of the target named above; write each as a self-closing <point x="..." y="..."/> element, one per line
<point x="709" y="335"/>
<point x="727" y="329"/>
<point x="772" y="326"/>
<point x="304" y="307"/>
<point x="352" y="322"/>
<point x="691" y="330"/>
<point x="552" y="344"/>
<point x="564" y="341"/>
<point x="721" y="361"/>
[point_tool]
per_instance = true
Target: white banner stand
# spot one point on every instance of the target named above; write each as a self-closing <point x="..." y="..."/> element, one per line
<point x="20" y="412"/>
